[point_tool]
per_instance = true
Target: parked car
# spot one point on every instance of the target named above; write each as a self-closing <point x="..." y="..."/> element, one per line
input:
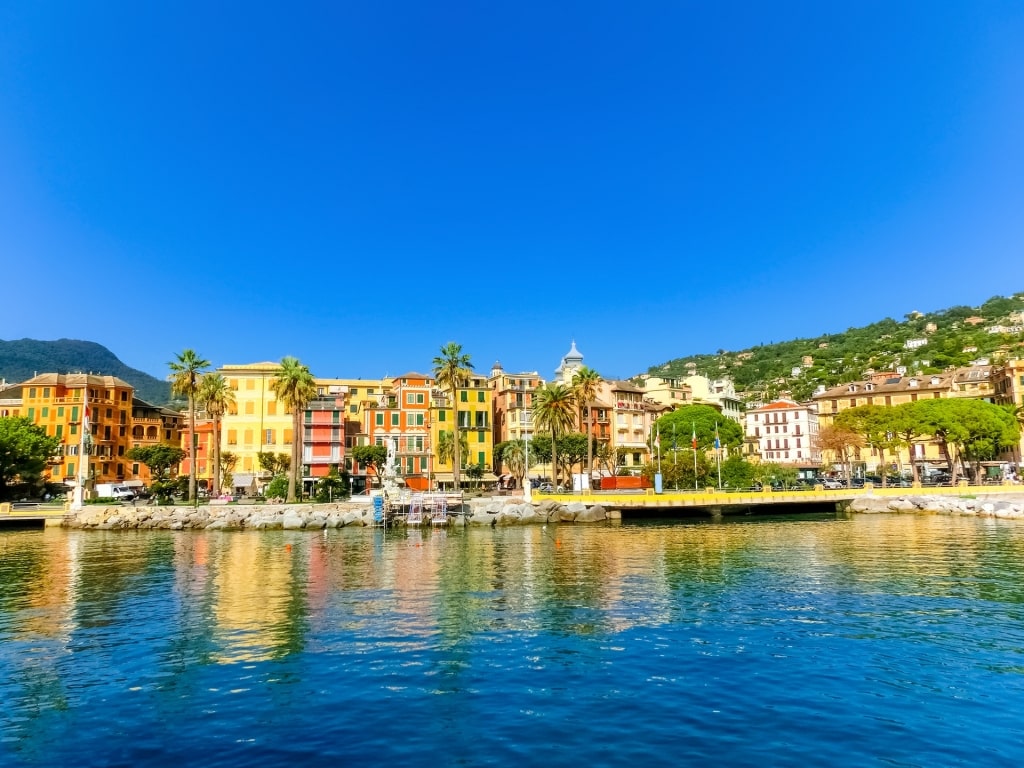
<point x="831" y="484"/>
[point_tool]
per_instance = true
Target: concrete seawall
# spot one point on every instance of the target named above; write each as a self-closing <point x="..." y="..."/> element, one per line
<point x="488" y="511"/>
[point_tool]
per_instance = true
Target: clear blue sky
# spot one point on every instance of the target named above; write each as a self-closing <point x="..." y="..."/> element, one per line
<point x="357" y="183"/>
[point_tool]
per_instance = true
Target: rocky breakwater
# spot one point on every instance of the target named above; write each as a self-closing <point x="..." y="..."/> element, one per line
<point x="1002" y="505"/>
<point x="499" y="511"/>
<point x="496" y="511"/>
<point x="227" y="517"/>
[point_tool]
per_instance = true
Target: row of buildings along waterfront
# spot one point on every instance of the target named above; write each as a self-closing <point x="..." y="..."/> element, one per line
<point x="409" y="412"/>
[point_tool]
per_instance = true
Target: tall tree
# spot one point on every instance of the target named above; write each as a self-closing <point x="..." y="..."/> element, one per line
<point x="554" y="410"/>
<point x="451" y="369"/>
<point x="513" y="459"/>
<point x="681" y="424"/>
<point x="373" y="457"/>
<point x="585" y="383"/>
<point x="24" y="451"/>
<point x="186" y="371"/>
<point x="294" y="386"/>
<point x="840" y="442"/>
<point x="877" y="424"/>
<point x="216" y="398"/>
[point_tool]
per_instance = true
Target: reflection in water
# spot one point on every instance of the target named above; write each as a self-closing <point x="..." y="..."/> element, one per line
<point x="537" y="626"/>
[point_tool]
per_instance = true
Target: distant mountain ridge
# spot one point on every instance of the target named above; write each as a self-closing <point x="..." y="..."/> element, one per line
<point x="22" y="359"/>
<point x="923" y="342"/>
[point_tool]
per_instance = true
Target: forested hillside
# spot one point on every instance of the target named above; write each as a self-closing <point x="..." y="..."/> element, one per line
<point x="951" y="337"/>
<point x="23" y="358"/>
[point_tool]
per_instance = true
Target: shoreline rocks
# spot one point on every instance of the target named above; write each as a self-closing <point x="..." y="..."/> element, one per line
<point x="1000" y="506"/>
<point x="486" y="511"/>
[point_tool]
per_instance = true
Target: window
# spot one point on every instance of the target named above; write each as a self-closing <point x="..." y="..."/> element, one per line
<point x="287" y="437"/>
<point x="355" y="391"/>
<point x="464" y="396"/>
<point x="442" y="415"/>
<point x="420" y="398"/>
<point x="480" y="458"/>
<point x="480" y="437"/>
<point x="480" y="396"/>
<point x="394" y="419"/>
<point x="232" y="437"/>
<point x="379" y="420"/>
<point x="250" y="408"/>
<point x="250" y="384"/>
<point x="135" y="469"/>
<point x="410" y="398"/>
<point x="45" y="413"/>
<point x="60" y="430"/>
<point x="32" y="392"/>
<point x="31" y="414"/>
<point x="268" y="436"/>
<point x="71" y="469"/>
<point x="272" y="408"/>
<point x="247" y="437"/>
<point x="60" y="412"/>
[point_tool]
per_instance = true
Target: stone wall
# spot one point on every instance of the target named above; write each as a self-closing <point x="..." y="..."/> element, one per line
<point x="318" y="516"/>
<point x="1003" y="505"/>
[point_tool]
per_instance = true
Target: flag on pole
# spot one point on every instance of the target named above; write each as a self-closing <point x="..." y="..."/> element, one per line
<point x="657" y="437"/>
<point x="718" y="443"/>
<point x="85" y="421"/>
<point x="694" y="425"/>
<point x="674" y="446"/>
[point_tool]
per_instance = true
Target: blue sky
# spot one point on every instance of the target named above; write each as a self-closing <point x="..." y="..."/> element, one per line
<point x="357" y="183"/>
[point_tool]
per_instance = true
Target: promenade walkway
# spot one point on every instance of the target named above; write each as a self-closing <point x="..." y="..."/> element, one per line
<point x="711" y="498"/>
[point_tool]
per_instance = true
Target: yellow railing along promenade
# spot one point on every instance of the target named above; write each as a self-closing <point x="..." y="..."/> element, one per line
<point x="710" y="497"/>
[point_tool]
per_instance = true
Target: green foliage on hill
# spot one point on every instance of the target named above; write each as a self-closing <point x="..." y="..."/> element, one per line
<point x="766" y="371"/>
<point x="24" y="358"/>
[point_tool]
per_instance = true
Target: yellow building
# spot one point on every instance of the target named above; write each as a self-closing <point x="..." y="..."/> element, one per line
<point x="475" y="421"/>
<point x="257" y="422"/>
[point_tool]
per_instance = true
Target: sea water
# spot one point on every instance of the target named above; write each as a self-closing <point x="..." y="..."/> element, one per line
<point x="821" y="640"/>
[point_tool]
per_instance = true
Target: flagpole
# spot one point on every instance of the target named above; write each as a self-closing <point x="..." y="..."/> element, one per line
<point x="694" y="444"/>
<point x="83" y="456"/>
<point x="675" y="450"/>
<point x="718" y="456"/>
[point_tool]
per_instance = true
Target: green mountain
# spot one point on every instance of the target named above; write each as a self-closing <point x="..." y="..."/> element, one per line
<point x="921" y="342"/>
<point x="24" y="358"/>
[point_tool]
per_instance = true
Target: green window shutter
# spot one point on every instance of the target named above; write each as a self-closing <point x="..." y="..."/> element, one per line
<point x="442" y="415"/>
<point x="480" y="396"/>
<point x="464" y="396"/>
<point x="71" y="469"/>
<point x="380" y="419"/>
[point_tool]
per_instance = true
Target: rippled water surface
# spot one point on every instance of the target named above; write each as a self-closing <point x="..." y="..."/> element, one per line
<point x="872" y="640"/>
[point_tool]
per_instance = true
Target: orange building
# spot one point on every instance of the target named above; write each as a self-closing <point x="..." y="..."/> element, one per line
<point x="54" y="401"/>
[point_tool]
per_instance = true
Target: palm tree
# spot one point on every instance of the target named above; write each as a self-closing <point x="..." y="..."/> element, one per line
<point x="294" y="386"/>
<point x="186" y="373"/>
<point x="554" y="409"/>
<point x="446" y="445"/>
<point x="514" y="459"/>
<point x="451" y="369"/>
<point x="585" y="383"/>
<point x="216" y="398"/>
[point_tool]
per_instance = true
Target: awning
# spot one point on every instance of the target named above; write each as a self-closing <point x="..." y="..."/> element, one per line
<point x="243" y="479"/>
<point x="489" y="477"/>
<point x="133" y="484"/>
<point x="445" y="477"/>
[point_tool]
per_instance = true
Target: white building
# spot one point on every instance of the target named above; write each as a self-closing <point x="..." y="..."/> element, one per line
<point x="786" y="432"/>
<point x="719" y="393"/>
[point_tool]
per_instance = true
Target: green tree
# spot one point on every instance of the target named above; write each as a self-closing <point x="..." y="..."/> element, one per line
<point x="970" y="431"/>
<point x="333" y="487"/>
<point x="680" y="425"/>
<point x="585" y="383"/>
<point x="840" y="442"/>
<point x="737" y="473"/>
<point x="554" y="410"/>
<point x="25" y="450"/>
<point x="228" y="462"/>
<point x="216" y="398"/>
<point x="277" y="464"/>
<point x="574" y="449"/>
<point x="160" y="459"/>
<point x="186" y="372"/>
<point x="679" y="472"/>
<point x="294" y="387"/>
<point x="909" y="427"/>
<point x="451" y="369"/>
<point x="371" y="456"/>
<point x="277" y="488"/>
<point x="877" y="425"/>
<point x="513" y="458"/>
<point x="446" y="447"/>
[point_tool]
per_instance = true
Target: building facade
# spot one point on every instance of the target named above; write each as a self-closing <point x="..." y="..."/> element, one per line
<point x="785" y="432"/>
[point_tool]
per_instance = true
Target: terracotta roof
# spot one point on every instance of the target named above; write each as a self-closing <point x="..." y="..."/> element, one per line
<point x="780" y="405"/>
<point x="413" y="375"/>
<point x="74" y="380"/>
<point x="895" y="384"/>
